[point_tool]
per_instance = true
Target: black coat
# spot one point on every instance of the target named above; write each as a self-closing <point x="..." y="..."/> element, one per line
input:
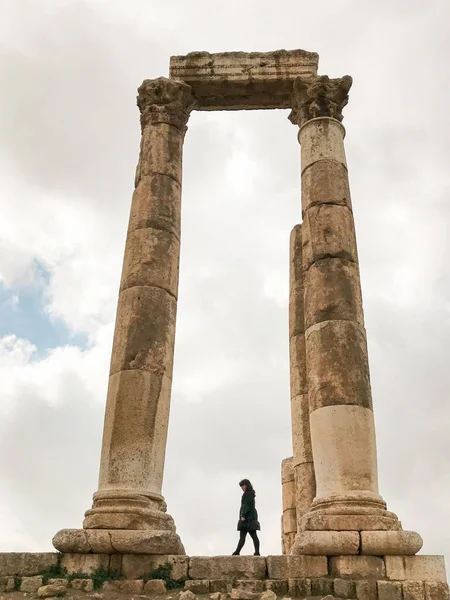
<point x="248" y="511"/>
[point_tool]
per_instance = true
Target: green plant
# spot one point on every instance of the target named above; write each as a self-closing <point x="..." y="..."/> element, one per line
<point x="77" y="575"/>
<point x="54" y="572"/>
<point x="164" y="572"/>
<point x="17" y="583"/>
<point x="100" y="575"/>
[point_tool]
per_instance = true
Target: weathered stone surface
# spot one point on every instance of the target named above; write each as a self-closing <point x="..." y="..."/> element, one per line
<point x="321" y="586"/>
<point x="333" y="292"/>
<point x="287" y="471"/>
<point x="436" y="591"/>
<point x="164" y="101"/>
<point x="389" y="590"/>
<point x="278" y="586"/>
<point x="326" y="543"/>
<point x="347" y="522"/>
<point x="144" y="334"/>
<point x="219" y="585"/>
<point x="296" y="567"/>
<point x="160" y="152"/>
<point x="305" y="487"/>
<point x="23" y="564"/>
<point x="131" y="586"/>
<point x="135" y="566"/>
<point x="146" y="542"/>
<point x="382" y="543"/>
<point x="344" y="588"/>
<point x="243" y="80"/>
<point x="413" y="590"/>
<point x="318" y="97"/>
<point x="151" y="259"/>
<point x="156" y="203"/>
<point x="256" y="586"/>
<point x="297" y="357"/>
<point x="7" y="584"/>
<point x="366" y="590"/>
<point x="288" y="495"/>
<point x="187" y="595"/>
<point x="328" y="232"/>
<point x="155" y="586"/>
<point x="31" y="584"/>
<point x="289" y="521"/>
<point x="84" y="563"/>
<point x="239" y="594"/>
<point x="48" y="591"/>
<point x="58" y="581"/>
<point x="357" y="567"/>
<point x="230" y="568"/>
<point x="325" y="182"/>
<point x="301" y="437"/>
<point x="268" y="595"/>
<point x="422" y="568"/>
<point x="85" y="585"/>
<point x="99" y="540"/>
<point x="299" y="587"/>
<point x="197" y="586"/>
<point x="338" y="369"/>
<point x="71" y="540"/>
<point x="322" y="139"/>
<point x="287" y="541"/>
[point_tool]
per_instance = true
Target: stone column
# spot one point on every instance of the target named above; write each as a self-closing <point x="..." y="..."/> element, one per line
<point x="289" y="518"/>
<point x="340" y="403"/>
<point x="302" y="461"/>
<point x="137" y="408"/>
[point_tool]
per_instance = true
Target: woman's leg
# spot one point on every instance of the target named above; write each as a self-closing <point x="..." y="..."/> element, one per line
<point x="241" y="543"/>
<point x="255" y="542"/>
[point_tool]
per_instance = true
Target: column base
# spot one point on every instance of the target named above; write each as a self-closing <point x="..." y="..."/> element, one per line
<point x="118" y="541"/>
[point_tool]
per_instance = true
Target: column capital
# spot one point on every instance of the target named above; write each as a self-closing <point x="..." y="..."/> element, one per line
<point x="319" y="97"/>
<point x="165" y="100"/>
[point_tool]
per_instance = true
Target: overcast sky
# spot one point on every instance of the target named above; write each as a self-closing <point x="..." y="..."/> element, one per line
<point x="69" y="141"/>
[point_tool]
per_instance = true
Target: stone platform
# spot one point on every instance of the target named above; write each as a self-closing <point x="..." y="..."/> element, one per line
<point x="359" y="577"/>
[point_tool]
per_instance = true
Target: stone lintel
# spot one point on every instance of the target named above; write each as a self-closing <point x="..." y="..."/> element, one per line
<point x="243" y="80"/>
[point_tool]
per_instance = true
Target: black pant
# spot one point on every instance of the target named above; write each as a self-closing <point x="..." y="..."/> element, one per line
<point x="243" y="535"/>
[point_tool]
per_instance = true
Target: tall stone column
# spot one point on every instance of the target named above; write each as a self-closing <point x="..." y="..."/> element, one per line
<point x="342" y="427"/>
<point x="302" y="460"/>
<point x="138" y="402"/>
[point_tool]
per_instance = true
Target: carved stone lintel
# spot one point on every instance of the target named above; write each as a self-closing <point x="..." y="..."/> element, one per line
<point x="319" y="97"/>
<point x="165" y="100"/>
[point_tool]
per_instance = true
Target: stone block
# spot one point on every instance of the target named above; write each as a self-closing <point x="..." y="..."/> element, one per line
<point x="155" y="586"/>
<point x="220" y="585"/>
<point x="6" y="584"/>
<point x="135" y="566"/>
<point x="243" y="80"/>
<point x="160" y="152"/>
<point x="288" y="495"/>
<point x="436" y="591"/>
<point x="111" y="587"/>
<point x="305" y="487"/>
<point x="115" y="564"/>
<point x="326" y="543"/>
<point x="239" y="594"/>
<point x="338" y="368"/>
<point x="301" y="437"/>
<point x="24" y="564"/>
<point x="296" y="567"/>
<point x="156" y="203"/>
<point x="290" y="520"/>
<point x="197" y="586"/>
<point x="84" y="585"/>
<point x="322" y="522"/>
<point x="298" y="379"/>
<point x="151" y="259"/>
<point x="84" y="563"/>
<point x="72" y="541"/>
<point x="131" y="586"/>
<point x="366" y="590"/>
<point x="256" y="586"/>
<point x="31" y="584"/>
<point x="299" y="588"/>
<point x="382" y="543"/>
<point x="344" y="588"/>
<point x="321" y="586"/>
<point x="422" y="568"/>
<point x="333" y="292"/>
<point x="48" y="591"/>
<point x="357" y="567"/>
<point x="413" y="590"/>
<point x="287" y="470"/>
<point x="229" y="568"/>
<point x="147" y="541"/>
<point x="389" y="590"/>
<point x="325" y="182"/>
<point x="321" y="139"/>
<point x="268" y="595"/>
<point x="187" y="595"/>
<point x="278" y="586"/>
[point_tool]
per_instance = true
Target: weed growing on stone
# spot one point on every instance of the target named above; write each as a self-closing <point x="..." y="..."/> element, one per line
<point x="17" y="583"/>
<point x="164" y="572"/>
<point x="55" y="572"/>
<point x="100" y="575"/>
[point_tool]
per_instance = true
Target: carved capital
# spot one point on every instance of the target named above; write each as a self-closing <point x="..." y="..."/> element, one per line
<point x="165" y="100"/>
<point x="319" y="97"/>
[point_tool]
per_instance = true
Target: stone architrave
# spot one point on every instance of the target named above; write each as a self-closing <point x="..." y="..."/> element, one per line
<point x="137" y="409"/>
<point x="302" y="461"/>
<point x="340" y="404"/>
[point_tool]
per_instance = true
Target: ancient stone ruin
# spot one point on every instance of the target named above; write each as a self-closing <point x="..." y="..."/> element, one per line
<point x="338" y="536"/>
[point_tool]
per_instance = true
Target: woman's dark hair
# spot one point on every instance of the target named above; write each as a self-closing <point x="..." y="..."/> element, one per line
<point x="246" y="482"/>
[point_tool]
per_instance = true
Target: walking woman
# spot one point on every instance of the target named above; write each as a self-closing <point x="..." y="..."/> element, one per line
<point x="248" y="518"/>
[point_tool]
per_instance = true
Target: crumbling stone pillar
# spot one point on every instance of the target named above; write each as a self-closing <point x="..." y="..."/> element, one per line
<point x="302" y="460"/>
<point x="339" y="395"/>
<point x="137" y="408"/>
<point x="289" y="518"/>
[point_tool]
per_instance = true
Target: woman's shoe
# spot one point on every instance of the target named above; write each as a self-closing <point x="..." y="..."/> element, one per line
<point x="235" y="554"/>
<point x="257" y="554"/>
